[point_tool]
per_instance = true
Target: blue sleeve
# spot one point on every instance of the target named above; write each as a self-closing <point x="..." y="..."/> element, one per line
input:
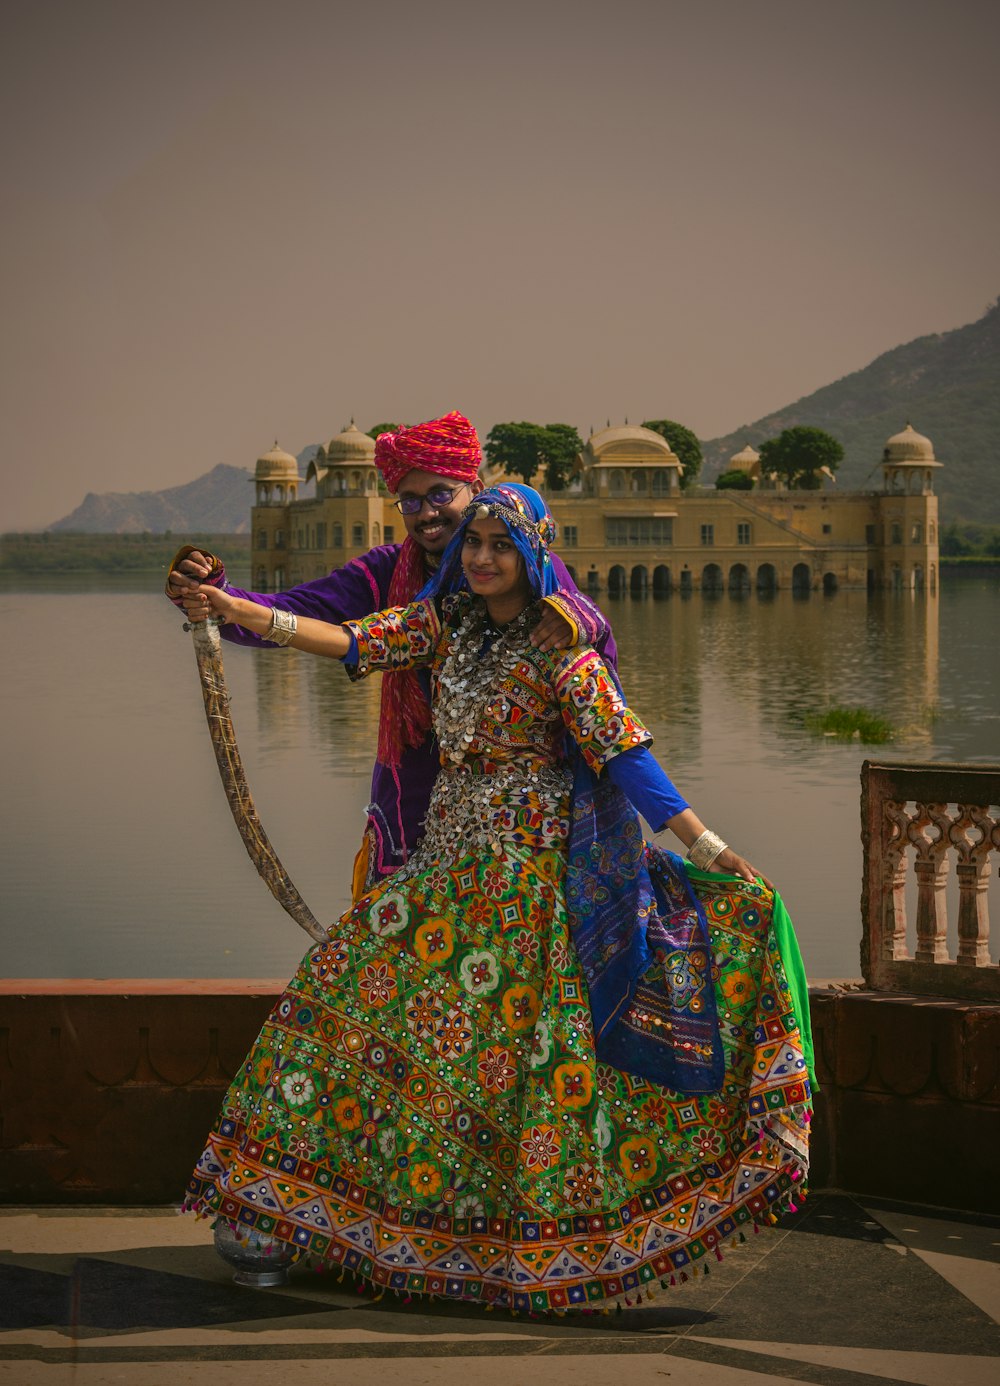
<point x="352" y="654"/>
<point x="637" y="774"/>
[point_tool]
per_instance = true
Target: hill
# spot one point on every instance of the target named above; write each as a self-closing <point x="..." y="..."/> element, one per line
<point x="218" y="502"/>
<point x="947" y="385"/>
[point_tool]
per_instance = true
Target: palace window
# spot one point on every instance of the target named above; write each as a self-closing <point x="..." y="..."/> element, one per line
<point x="743" y="533"/>
<point x="569" y="536"/>
<point x="338" y="536"/>
<point x="870" y="534"/>
<point x="654" y="532"/>
<point x="708" y="535"/>
<point x="262" y="538"/>
<point x="660" y="483"/>
<point x="357" y="534"/>
<point x="321" y="535"/>
<point x="828" y="529"/>
<point x="917" y="533"/>
<point x="390" y="534"/>
<point x="897" y="534"/>
<point x="279" y="538"/>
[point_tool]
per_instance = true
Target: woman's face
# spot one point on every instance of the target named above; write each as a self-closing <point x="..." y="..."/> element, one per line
<point x="492" y="565"/>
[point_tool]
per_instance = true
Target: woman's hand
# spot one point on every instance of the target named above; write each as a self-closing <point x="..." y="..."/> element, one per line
<point x="732" y="864"/>
<point x="201" y="602"/>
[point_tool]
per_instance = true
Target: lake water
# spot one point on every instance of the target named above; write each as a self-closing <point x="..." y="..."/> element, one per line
<point x="120" y="858"/>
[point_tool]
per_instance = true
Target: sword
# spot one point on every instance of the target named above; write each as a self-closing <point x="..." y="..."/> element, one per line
<point x="208" y="652"/>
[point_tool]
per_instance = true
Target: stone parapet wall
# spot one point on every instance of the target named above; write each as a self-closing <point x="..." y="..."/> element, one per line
<point x="108" y="1088"/>
<point x="909" y="1101"/>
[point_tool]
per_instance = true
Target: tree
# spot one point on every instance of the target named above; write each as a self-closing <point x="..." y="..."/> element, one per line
<point x="514" y="447"/>
<point x="521" y="448"/>
<point x="736" y="480"/>
<point x="384" y="428"/>
<point x="559" y="447"/>
<point x="683" y="443"/>
<point x="798" y="454"/>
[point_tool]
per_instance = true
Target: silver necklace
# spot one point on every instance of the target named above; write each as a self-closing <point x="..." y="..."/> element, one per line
<point x="472" y="674"/>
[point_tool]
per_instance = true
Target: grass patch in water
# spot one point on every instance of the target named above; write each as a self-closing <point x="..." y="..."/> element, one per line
<point x="851" y="724"/>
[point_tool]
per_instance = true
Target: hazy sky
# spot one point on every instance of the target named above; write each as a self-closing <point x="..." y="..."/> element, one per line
<point x="227" y="221"/>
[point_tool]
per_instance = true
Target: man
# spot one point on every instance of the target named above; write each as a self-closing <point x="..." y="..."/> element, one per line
<point x="433" y="468"/>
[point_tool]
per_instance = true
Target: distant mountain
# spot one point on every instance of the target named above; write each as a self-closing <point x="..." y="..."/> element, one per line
<point x="947" y="385"/>
<point x="216" y="503"/>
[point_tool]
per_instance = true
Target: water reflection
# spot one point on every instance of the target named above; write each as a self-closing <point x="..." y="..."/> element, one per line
<point x="122" y="860"/>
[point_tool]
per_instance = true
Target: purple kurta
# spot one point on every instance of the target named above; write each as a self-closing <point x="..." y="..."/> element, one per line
<point x="399" y="799"/>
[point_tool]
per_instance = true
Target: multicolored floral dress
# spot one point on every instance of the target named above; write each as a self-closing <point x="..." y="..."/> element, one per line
<point x="424" y="1105"/>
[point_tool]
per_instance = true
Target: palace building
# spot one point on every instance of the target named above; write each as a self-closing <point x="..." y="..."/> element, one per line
<point x="625" y="524"/>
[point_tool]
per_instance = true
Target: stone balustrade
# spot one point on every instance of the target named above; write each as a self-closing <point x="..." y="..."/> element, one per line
<point x="922" y="933"/>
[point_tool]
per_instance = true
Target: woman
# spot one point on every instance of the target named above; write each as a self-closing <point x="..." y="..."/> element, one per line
<point x="542" y="1065"/>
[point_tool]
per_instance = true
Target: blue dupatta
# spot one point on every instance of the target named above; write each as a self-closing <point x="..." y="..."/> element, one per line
<point x="643" y="944"/>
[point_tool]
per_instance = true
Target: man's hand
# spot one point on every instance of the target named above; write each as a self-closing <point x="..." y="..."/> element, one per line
<point x="188" y="574"/>
<point x="553" y="631"/>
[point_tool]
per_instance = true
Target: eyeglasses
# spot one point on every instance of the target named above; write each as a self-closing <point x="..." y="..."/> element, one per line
<point x="437" y="497"/>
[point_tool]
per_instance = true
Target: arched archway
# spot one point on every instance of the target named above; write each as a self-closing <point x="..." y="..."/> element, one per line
<point x="767" y="578"/>
<point x="711" y="579"/>
<point x="739" y="580"/>
<point x="918" y="577"/>
<point x="639" y="581"/>
<point x="593" y="579"/>
<point x="801" y="579"/>
<point x="830" y="584"/>
<point x="616" y="581"/>
<point x="662" y="584"/>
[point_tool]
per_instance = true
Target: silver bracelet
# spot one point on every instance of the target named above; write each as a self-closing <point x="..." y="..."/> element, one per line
<point x="282" y="627"/>
<point x="704" y="850"/>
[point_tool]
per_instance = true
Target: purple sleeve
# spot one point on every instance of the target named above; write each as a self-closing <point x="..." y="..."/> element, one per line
<point x="637" y="774"/>
<point x="595" y="629"/>
<point x="348" y="593"/>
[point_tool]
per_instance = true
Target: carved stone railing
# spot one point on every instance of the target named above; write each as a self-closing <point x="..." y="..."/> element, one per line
<point x="916" y="822"/>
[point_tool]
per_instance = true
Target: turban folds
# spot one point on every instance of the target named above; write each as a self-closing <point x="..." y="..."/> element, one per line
<point x="448" y="446"/>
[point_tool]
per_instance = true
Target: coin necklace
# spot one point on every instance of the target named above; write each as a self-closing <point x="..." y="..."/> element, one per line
<point x="470" y="674"/>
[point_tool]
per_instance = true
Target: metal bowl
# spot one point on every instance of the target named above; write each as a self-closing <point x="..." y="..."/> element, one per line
<point x="258" y="1261"/>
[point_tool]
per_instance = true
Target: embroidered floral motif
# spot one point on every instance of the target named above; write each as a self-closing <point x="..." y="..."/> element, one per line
<point x="520" y="1006"/>
<point x="479" y="973"/>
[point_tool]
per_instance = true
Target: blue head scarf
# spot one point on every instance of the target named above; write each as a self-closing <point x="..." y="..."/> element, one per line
<point x="531" y="528"/>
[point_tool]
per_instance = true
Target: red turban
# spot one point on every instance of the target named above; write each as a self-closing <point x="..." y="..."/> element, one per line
<point x="448" y="447"/>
